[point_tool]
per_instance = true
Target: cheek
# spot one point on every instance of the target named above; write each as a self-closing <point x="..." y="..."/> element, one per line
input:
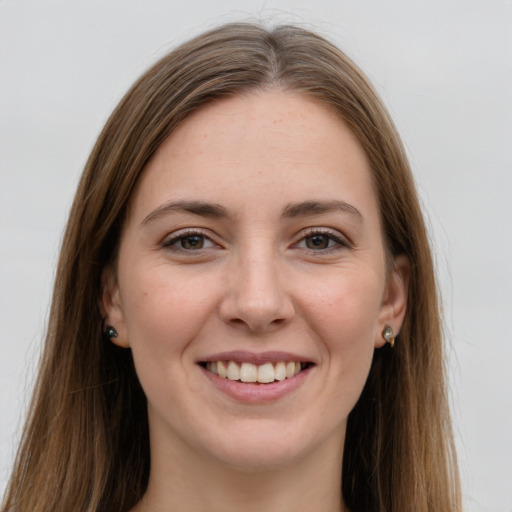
<point x="163" y="315"/>
<point x="162" y="311"/>
<point x="344" y="318"/>
<point x="347" y="309"/>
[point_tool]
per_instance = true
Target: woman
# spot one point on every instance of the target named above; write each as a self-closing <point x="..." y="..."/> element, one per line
<point x="244" y="247"/>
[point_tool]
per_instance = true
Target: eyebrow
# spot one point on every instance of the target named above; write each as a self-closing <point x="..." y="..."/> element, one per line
<point x="318" y="207"/>
<point x="217" y="211"/>
<point x="201" y="208"/>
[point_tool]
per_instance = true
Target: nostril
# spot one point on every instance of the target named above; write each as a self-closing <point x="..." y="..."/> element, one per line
<point x="256" y="313"/>
<point x="257" y="324"/>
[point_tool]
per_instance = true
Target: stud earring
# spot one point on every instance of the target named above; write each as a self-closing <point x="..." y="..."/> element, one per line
<point x="110" y="332"/>
<point x="387" y="334"/>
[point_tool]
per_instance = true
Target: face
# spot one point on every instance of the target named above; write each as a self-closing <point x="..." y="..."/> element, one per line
<point x="253" y="247"/>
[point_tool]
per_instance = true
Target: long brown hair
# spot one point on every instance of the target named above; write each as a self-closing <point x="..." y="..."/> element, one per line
<point x="85" y="446"/>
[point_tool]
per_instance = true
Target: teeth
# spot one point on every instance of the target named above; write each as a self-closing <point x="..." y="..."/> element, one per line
<point x="249" y="372"/>
<point x="290" y="369"/>
<point x="222" y="369"/>
<point x="280" y="371"/>
<point x="266" y="373"/>
<point x="233" y="371"/>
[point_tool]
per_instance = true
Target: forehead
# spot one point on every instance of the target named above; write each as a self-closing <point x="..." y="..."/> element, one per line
<point x="270" y="147"/>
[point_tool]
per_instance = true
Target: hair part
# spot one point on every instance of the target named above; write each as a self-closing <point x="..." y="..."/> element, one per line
<point x="85" y="446"/>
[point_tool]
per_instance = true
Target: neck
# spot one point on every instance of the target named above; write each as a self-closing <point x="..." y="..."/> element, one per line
<point x="311" y="483"/>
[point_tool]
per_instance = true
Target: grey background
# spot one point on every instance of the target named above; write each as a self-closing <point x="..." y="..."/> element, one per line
<point x="444" y="69"/>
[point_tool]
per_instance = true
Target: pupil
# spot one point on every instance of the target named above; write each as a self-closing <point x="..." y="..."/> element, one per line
<point x="192" y="242"/>
<point x="318" y="242"/>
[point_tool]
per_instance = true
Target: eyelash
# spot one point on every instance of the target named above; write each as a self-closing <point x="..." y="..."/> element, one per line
<point x="172" y="244"/>
<point x="339" y="242"/>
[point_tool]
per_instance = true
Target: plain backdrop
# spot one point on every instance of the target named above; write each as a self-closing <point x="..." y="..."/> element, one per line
<point x="444" y="68"/>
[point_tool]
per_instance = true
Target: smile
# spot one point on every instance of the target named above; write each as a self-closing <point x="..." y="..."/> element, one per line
<point x="248" y="372"/>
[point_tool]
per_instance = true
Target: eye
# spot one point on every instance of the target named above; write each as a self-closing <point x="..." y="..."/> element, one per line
<point x="189" y="241"/>
<point x="319" y="240"/>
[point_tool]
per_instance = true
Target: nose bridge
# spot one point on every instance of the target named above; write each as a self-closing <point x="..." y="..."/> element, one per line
<point x="256" y="296"/>
<point x="259" y="281"/>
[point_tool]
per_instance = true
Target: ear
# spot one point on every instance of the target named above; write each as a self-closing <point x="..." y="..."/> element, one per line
<point x="111" y="307"/>
<point x="394" y="302"/>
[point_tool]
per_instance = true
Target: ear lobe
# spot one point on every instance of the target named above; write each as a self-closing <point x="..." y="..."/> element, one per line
<point x="394" y="303"/>
<point x="111" y="307"/>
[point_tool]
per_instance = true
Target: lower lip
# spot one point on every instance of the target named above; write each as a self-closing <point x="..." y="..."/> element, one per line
<point x="255" y="393"/>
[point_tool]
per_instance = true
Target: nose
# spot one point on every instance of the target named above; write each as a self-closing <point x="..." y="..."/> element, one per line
<point x="256" y="297"/>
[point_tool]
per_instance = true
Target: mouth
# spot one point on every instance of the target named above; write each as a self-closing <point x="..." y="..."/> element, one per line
<point x="246" y="372"/>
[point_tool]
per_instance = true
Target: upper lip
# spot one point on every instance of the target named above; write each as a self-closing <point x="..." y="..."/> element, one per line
<point x="243" y="356"/>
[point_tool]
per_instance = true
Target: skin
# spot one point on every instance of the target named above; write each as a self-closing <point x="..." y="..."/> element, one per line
<point x="258" y="283"/>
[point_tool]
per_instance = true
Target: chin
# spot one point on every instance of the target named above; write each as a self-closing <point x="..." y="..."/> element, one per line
<point x="255" y="458"/>
<point x="264" y="445"/>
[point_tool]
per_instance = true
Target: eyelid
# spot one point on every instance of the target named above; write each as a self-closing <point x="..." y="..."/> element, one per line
<point x="342" y="241"/>
<point x="174" y="237"/>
